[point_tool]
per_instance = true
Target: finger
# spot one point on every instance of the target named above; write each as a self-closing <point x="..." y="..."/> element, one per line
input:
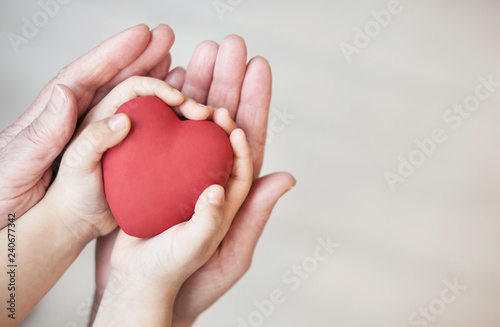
<point x="253" y="110"/>
<point x="146" y="86"/>
<point x="193" y="110"/>
<point x="176" y="78"/>
<point x="85" y="152"/>
<point x="253" y="215"/>
<point x="200" y="236"/>
<point x="221" y="117"/>
<point x="205" y="225"/>
<point x="200" y="71"/>
<point x="31" y="153"/>
<point x="240" y="179"/>
<point x="87" y="74"/>
<point x="160" y="71"/>
<point x="162" y="38"/>
<point x="228" y="76"/>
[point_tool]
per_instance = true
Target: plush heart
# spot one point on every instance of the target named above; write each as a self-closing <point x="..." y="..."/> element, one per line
<point x="153" y="178"/>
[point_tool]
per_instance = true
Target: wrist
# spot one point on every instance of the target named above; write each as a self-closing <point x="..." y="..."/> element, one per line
<point x="81" y="232"/>
<point x="128" y="301"/>
<point x="157" y="290"/>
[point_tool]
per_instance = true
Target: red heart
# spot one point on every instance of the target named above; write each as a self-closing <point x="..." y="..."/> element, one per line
<point x="153" y="178"/>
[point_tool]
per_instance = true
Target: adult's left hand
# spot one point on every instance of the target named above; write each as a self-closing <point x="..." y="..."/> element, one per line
<point x="30" y="145"/>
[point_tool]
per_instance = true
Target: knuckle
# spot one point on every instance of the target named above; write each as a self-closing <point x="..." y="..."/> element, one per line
<point x="243" y="266"/>
<point x="38" y="134"/>
<point x="95" y="133"/>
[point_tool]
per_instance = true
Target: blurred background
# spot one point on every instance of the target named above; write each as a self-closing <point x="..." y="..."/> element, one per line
<point x="360" y="90"/>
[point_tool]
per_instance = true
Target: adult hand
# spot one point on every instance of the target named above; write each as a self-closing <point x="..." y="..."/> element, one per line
<point x="30" y="145"/>
<point x="220" y="76"/>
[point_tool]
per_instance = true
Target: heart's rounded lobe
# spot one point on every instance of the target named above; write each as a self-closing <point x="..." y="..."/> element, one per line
<point x="153" y="178"/>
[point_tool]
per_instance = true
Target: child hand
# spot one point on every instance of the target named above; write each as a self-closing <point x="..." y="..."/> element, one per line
<point x="77" y="194"/>
<point x="156" y="268"/>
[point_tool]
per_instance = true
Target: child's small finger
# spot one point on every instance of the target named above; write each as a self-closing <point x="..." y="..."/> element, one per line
<point x="193" y="110"/>
<point x="222" y="118"/>
<point x="240" y="181"/>
<point x="86" y="151"/>
<point x="130" y="89"/>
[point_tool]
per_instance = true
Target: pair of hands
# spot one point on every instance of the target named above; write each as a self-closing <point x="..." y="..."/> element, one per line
<point x="216" y="76"/>
<point x="155" y="268"/>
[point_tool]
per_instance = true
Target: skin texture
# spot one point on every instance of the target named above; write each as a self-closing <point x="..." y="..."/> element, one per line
<point x="30" y="146"/>
<point x="159" y="266"/>
<point x="219" y="76"/>
<point x="74" y="210"/>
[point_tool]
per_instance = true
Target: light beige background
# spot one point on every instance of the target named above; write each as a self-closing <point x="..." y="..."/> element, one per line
<point x="351" y="122"/>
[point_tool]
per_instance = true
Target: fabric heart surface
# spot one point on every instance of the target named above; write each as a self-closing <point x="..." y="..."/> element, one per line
<point x="154" y="177"/>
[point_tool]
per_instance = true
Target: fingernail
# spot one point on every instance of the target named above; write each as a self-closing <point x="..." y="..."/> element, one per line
<point x="177" y="92"/>
<point x="58" y="100"/>
<point x="290" y="187"/>
<point x="215" y="195"/>
<point x="162" y="24"/>
<point x="117" y="123"/>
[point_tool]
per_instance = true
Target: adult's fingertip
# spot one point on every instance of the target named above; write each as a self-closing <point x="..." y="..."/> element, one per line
<point x="141" y="25"/>
<point x="288" y="181"/>
<point x="162" y="25"/>
<point x="233" y="39"/>
<point x="165" y="27"/>
<point x="176" y="77"/>
<point x="207" y="45"/>
<point x="291" y="186"/>
<point x="276" y="184"/>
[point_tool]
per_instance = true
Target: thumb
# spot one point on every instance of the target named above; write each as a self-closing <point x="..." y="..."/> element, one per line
<point x="32" y="151"/>
<point x="206" y="228"/>
<point x="42" y="141"/>
<point x="249" y="223"/>
<point x="85" y="152"/>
